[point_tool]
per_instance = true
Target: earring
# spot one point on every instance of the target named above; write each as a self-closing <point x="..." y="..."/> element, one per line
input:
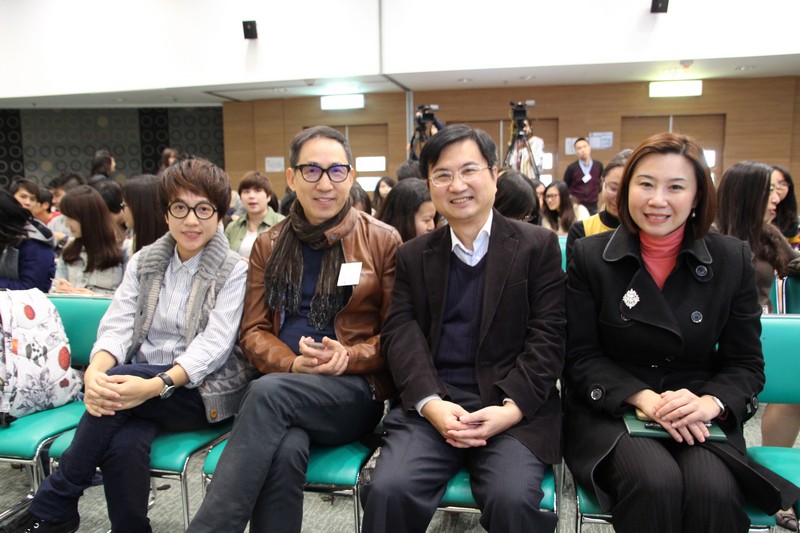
<point x="694" y="214"/>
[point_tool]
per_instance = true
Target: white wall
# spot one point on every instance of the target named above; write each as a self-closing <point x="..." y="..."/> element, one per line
<point x="84" y="46"/>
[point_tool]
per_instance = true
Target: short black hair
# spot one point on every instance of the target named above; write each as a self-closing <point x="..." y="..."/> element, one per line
<point x="453" y="134"/>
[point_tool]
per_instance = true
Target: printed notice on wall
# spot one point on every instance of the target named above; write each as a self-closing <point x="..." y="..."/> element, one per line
<point x="601" y="140"/>
<point x="274" y="164"/>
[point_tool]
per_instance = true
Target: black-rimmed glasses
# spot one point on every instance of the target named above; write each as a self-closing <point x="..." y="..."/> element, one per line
<point x="203" y="210"/>
<point x="313" y="173"/>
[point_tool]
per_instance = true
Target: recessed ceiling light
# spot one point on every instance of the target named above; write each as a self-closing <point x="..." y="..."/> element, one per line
<point x="743" y="68"/>
<point x="527" y="78"/>
<point x="464" y="80"/>
<point x="279" y="89"/>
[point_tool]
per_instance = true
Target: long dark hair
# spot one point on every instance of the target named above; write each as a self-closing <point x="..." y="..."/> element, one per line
<point x="565" y="215"/>
<point x="377" y="199"/>
<point x="99" y="234"/>
<point x="401" y="204"/>
<point x="141" y="197"/>
<point x="516" y="197"/>
<point x="13" y="218"/>
<point x="786" y="213"/>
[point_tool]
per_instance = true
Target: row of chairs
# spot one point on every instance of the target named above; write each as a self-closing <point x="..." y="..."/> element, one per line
<point x="339" y="468"/>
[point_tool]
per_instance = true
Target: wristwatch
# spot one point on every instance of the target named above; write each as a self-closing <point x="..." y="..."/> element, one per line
<point x="169" y="386"/>
<point x="722" y="409"/>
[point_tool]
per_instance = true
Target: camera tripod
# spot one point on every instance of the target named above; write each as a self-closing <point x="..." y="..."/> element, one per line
<point x="514" y="153"/>
<point x="418" y="140"/>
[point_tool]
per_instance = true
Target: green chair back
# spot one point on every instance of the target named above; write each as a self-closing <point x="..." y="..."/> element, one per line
<point x="780" y="342"/>
<point x="562" y="242"/>
<point x="791" y="289"/>
<point x="81" y="317"/>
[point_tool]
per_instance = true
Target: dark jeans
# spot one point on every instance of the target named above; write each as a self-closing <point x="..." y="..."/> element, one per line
<point x="120" y="446"/>
<point x="261" y="473"/>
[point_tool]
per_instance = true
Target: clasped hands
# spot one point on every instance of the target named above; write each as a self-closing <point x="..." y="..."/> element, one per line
<point x="462" y="429"/>
<point x="104" y="394"/>
<point x="330" y="359"/>
<point x="681" y="413"/>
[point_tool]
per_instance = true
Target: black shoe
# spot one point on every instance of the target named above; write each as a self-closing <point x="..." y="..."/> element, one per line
<point x="28" y="523"/>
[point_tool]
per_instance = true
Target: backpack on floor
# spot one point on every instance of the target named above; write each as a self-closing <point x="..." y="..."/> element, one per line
<point x="35" y="372"/>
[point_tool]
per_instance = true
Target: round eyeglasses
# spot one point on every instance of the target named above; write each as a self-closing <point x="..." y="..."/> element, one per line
<point x="203" y="210"/>
<point x="443" y="178"/>
<point x="313" y="173"/>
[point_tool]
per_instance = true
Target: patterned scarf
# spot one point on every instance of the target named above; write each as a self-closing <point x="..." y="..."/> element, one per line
<point x="283" y="273"/>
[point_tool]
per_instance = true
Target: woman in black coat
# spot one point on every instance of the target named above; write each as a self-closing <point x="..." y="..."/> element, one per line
<point x="664" y="318"/>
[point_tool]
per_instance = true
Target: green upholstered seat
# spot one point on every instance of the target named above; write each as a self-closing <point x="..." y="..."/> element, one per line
<point x="80" y="316"/>
<point x="562" y="242"/>
<point x="25" y="435"/>
<point x="459" y="491"/>
<point x="791" y="290"/>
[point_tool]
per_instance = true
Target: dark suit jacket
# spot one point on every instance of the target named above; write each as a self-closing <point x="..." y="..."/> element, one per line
<point x="701" y="333"/>
<point x="521" y="338"/>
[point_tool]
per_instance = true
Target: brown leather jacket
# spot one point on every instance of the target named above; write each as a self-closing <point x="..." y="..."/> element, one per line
<point x="357" y="325"/>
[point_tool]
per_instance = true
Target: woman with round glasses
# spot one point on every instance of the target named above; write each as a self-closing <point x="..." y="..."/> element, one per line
<point x="93" y="261"/>
<point x="559" y="212"/>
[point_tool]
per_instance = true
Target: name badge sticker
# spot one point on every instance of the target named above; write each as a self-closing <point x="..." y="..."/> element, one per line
<point x="349" y="274"/>
<point x="586" y="178"/>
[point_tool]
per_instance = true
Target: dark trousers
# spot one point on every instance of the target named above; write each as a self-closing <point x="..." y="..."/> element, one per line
<point x="666" y="487"/>
<point x="416" y="463"/>
<point x="120" y="446"/>
<point x="261" y="472"/>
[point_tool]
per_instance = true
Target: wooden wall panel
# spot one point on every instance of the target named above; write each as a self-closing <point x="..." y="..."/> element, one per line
<point x="238" y="121"/>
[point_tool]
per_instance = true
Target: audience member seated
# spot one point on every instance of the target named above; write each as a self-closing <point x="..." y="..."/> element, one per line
<point x="286" y="202"/>
<point x="26" y="192"/>
<point x="27" y="260"/>
<point x="111" y="191"/>
<point x="43" y="208"/>
<point x="408" y="169"/>
<point x="255" y="192"/>
<point x="605" y="219"/>
<point x="786" y="215"/>
<point x="164" y="358"/>
<point x="60" y="186"/>
<point x="103" y="165"/>
<point x="142" y="210"/>
<point x="560" y="212"/>
<point x="663" y="323"/>
<point x="360" y="199"/>
<point x="93" y="261"/>
<point x="382" y="188"/>
<point x="474" y="339"/>
<point x="408" y="207"/>
<point x="313" y="330"/>
<point x="168" y="157"/>
<point x="748" y="197"/>
<point x="516" y="197"/>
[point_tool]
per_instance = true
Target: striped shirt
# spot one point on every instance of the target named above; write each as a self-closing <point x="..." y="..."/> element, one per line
<point x="165" y="343"/>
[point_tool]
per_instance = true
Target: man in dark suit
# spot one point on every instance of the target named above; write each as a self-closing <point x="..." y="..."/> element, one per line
<point x="474" y="339"/>
<point x="583" y="176"/>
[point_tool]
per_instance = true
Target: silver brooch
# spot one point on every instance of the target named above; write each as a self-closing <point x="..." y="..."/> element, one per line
<point x="630" y="299"/>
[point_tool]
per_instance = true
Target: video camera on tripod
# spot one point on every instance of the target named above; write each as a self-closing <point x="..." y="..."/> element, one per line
<point x="425" y="121"/>
<point x="519" y="146"/>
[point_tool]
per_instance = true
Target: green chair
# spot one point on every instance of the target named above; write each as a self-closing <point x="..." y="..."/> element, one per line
<point x="791" y="294"/>
<point x="458" y="496"/>
<point x="330" y="469"/>
<point x="562" y="243"/>
<point x="780" y="337"/>
<point x="169" y="455"/>
<point x="24" y="441"/>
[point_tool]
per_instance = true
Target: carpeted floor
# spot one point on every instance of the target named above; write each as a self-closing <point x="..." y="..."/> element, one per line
<point x="322" y="514"/>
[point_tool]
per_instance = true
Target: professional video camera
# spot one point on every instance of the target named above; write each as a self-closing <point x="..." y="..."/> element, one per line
<point x="518" y="144"/>
<point x="425" y="123"/>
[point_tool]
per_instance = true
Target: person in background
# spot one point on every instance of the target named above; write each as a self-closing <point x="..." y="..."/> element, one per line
<point x="165" y="358"/>
<point x="474" y="340"/>
<point x="538" y="188"/>
<point x="286" y="202"/>
<point x="360" y="198"/>
<point x="111" y="191"/>
<point x="140" y="210"/>
<point x="60" y="186"/>
<point x="748" y="198"/>
<point x="786" y="213"/>
<point x="93" y="261"/>
<point x="43" y="209"/>
<point x="103" y="166"/>
<point x="583" y="176"/>
<point x="255" y="191"/>
<point x="663" y="323"/>
<point x="408" y="207"/>
<point x="408" y="169"/>
<point x="26" y="192"/>
<point x="559" y="211"/>
<point x="516" y="197"/>
<point x="27" y="260"/>
<point x="168" y="156"/>
<point x="605" y="219"/>
<point x="382" y="188"/>
<point x="313" y="330"/>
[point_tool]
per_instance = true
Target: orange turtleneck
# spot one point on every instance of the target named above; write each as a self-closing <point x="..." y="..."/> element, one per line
<point x="660" y="253"/>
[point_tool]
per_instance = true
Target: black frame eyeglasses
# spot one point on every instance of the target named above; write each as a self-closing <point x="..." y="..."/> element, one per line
<point x="313" y="173"/>
<point x="179" y="209"/>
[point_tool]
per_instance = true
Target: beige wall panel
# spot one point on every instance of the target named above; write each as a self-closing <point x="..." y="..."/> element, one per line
<point x="238" y="121"/>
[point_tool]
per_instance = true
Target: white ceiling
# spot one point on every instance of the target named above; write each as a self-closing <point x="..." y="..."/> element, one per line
<point x="213" y="95"/>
